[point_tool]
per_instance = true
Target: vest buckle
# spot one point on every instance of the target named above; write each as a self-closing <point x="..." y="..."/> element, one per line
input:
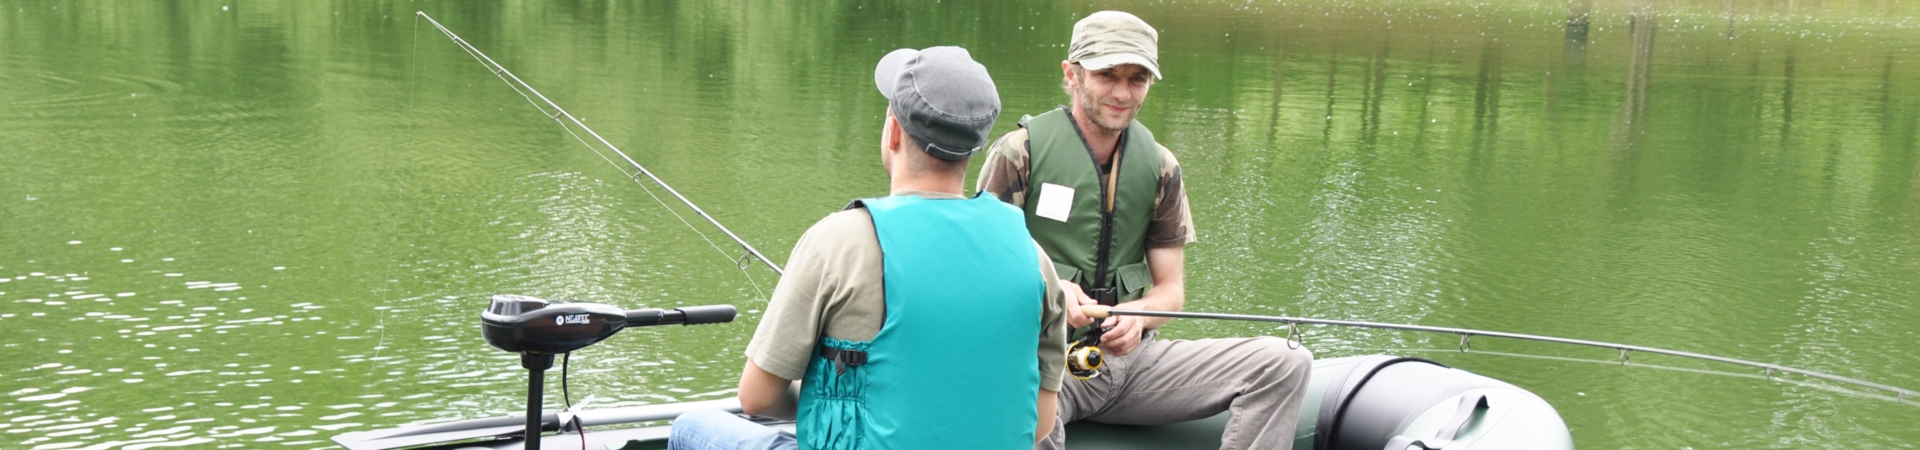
<point x="843" y="358"/>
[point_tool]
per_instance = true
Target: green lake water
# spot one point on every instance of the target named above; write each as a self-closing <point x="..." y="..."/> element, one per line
<point x="261" y="224"/>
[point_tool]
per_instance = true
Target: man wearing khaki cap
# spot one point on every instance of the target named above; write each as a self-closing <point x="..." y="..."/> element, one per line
<point x="1107" y="204"/>
<point x="923" y="319"/>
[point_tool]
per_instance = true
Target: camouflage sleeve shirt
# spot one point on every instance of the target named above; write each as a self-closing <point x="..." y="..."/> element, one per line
<point x="1005" y="175"/>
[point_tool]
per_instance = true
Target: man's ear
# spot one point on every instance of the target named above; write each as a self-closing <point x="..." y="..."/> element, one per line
<point x="1066" y="72"/>
<point x="894" y="132"/>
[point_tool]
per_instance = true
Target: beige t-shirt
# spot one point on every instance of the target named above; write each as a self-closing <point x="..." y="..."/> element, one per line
<point x="833" y="287"/>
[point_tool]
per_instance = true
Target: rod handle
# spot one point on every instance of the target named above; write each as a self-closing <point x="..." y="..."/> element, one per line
<point x="701" y="315"/>
<point x="1096" y="311"/>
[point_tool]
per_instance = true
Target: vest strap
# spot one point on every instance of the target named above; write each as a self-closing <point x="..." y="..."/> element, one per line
<point x="843" y="358"/>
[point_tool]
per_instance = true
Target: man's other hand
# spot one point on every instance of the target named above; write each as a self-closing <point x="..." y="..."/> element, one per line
<point x="1075" y="298"/>
<point x="1122" y="334"/>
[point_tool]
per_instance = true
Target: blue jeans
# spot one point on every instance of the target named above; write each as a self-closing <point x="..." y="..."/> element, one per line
<point x="713" y="429"/>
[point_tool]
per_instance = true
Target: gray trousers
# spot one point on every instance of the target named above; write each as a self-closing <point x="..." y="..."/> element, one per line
<point x="1261" y="380"/>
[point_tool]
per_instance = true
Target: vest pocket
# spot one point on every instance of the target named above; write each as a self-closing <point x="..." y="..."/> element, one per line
<point x="1134" y="279"/>
<point x="1070" y="273"/>
<point x="834" y="402"/>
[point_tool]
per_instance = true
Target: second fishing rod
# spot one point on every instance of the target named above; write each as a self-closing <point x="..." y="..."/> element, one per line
<point x="1901" y="395"/>
<point x="568" y="122"/>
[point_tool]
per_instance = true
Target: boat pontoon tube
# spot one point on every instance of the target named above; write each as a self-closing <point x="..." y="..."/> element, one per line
<point x="1398" y="403"/>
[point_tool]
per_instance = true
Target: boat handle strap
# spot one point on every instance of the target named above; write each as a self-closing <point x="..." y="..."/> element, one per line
<point x="1468" y="405"/>
<point x="1463" y="415"/>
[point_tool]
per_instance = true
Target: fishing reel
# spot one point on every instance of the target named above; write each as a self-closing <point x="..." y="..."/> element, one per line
<point x="1085" y="359"/>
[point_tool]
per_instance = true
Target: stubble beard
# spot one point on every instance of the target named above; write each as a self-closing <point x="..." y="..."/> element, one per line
<point x="1090" y="107"/>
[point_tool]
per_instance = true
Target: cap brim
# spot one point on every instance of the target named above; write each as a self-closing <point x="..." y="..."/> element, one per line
<point x="1105" y="61"/>
<point x="887" y="72"/>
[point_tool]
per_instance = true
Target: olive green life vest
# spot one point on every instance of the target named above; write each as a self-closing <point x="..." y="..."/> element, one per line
<point x="1058" y="160"/>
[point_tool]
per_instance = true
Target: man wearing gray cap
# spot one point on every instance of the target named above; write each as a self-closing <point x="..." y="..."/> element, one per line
<point x="1107" y="204"/>
<point x="924" y="319"/>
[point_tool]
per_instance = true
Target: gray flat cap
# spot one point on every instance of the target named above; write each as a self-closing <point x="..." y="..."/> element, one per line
<point x="944" y="99"/>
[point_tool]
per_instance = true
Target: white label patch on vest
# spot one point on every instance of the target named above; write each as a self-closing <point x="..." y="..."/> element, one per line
<point x="1055" y="202"/>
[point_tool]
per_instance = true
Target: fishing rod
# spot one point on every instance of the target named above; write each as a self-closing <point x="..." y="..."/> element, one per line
<point x="1097" y="311"/>
<point x="1466" y="335"/>
<point x="524" y="89"/>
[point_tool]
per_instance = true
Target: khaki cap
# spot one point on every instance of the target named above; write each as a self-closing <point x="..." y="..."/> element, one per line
<point x="1111" y="38"/>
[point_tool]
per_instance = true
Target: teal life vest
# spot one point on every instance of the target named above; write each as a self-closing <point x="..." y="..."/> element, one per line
<point x="1093" y="247"/>
<point x="954" y="363"/>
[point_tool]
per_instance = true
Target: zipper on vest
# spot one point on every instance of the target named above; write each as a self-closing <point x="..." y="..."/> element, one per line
<point x="1108" y="191"/>
<point x="1108" y="185"/>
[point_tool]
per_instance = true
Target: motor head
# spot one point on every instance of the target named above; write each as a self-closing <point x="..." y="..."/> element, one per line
<point x="518" y="323"/>
<point x="522" y="324"/>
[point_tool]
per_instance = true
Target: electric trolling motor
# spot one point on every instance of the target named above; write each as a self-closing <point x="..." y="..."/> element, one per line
<point x="538" y="329"/>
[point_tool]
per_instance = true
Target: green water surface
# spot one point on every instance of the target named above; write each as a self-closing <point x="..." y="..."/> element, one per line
<point x="261" y="224"/>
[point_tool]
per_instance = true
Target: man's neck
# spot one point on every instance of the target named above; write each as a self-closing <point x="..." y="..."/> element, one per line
<point x="1100" y="140"/>
<point x="944" y="185"/>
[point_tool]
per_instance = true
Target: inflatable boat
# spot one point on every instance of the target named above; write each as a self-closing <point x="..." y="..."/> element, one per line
<point x="1361" y="402"/>
<point x="1358" y="402"/>
<point x="1369" y="402"/>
